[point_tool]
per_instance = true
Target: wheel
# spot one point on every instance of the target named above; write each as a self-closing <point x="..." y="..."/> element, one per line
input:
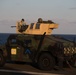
<point x="2" y="60"/>
<point x="46" y="62"/>
<point x="73" y="61"/>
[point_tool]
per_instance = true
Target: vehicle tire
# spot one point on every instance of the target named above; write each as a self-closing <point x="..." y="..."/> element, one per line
<point x="46" y="62"/>
<point x="73" y="61"/>
<point x="2" y="60"/>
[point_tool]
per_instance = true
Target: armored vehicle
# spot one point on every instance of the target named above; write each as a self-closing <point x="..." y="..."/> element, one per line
<point x="37" y="46"/>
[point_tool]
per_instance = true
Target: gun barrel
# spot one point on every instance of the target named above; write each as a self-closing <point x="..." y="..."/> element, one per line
<point x="13" y="26"/>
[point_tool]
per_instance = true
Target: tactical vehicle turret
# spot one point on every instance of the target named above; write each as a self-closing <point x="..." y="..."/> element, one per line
<point x="38" y="28"/>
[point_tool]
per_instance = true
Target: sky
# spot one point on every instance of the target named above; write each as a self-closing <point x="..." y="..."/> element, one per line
<point x="62" y="12"/>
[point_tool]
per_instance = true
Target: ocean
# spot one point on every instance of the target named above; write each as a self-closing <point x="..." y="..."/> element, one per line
<point x="3" y="37"/>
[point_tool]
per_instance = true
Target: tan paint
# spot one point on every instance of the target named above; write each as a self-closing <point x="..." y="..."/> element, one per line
<point x="44" y="27"/>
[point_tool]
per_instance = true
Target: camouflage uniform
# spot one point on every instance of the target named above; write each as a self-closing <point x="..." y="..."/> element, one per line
<point x="20" y="24"/>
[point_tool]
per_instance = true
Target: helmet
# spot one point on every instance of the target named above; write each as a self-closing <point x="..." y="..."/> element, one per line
<point x="40" y="20"/>
<point x="22" y="20"/>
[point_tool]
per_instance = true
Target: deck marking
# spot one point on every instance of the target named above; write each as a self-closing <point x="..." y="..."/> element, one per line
<point x="35" y="73"/>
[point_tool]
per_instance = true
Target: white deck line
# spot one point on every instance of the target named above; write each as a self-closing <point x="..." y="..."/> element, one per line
<point x="35" y="73"/>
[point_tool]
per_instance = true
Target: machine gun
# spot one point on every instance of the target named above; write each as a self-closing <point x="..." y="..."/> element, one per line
<point x="13" y="26"/>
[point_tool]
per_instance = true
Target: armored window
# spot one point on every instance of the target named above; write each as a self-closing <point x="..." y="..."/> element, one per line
<point x="32" y="24"/>
<point x="13" y="41"/>
<point x="27" y="43"/>
<point x="37" y="26"/>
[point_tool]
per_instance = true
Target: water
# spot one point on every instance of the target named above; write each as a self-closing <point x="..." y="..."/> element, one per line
<point x="69" y="37"/>
<point x="3" y="37"/>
